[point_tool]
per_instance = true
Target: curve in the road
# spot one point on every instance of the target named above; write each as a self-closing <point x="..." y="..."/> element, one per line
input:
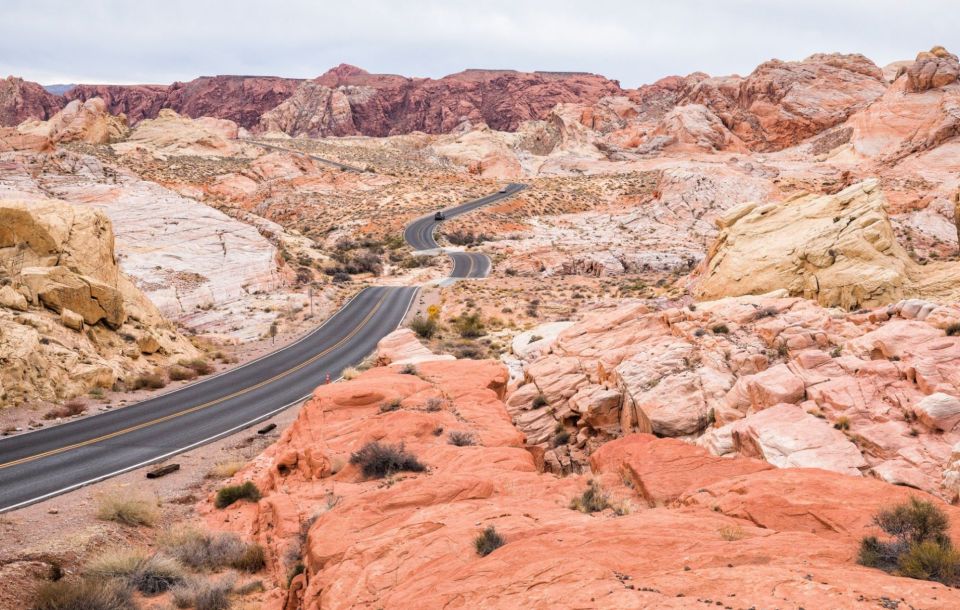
<point x="420" y="234"/>
<point x="41" y="464"/>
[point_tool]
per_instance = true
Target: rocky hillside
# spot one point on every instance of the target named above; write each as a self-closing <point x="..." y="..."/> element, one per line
<point x="778" y="105"/>
<point x="663" y="524"/>
<point x="70" y="321"/>
<point x="241" y="99"/>
<point x="350" y="101"/>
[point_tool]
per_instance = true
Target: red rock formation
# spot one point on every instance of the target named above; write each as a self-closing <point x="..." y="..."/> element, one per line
<point x="347" y="101"/>
<point x="722" y="531"/>
<point x="21" y="100"/>
<point x="782" y="103"/>
<point x="241" y="99"/>
<point x="138" y="102"/>
<point x="932" y="70"/>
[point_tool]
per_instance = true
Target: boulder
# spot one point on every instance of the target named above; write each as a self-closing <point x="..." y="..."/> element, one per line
<point x="839" y="250"/>
<point x="58" y="288"/>
<point x="71" y="319"/>
<point x="932" y="70"/>
<point x="939" y="411"/>
<point x="11" y="299"/>
<point x="789" y="437"/>
<point x="402" y="347"/>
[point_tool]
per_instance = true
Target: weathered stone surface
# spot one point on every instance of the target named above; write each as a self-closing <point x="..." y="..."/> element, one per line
<point x="713" y="517"/>
<point x="349" y="101"/>
<point x="21" y="100"/>
<point x="402" y="347"/>
<point x="71" y="319"/>
<point x="939" y="411"/>
<point x="839" y="250"/>
<point x="932" y="69"/>
<point x="11" y="299"/>
<point x="88" y="122"/>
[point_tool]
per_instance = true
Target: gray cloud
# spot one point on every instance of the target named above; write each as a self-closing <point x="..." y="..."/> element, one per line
<point x="634" y="42"/>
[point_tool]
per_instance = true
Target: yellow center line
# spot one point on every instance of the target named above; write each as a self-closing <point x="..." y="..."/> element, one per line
<point x="205" y="405"/>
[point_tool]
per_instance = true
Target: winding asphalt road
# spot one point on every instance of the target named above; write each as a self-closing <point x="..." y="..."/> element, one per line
<point x="44" y="463"/>
<point x="419" y="234"/>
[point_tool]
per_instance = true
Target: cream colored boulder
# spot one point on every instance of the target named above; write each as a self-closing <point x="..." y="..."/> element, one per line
<point x="11" y="299"/>
<point x="71" y="319"/>
<point x="58" y="288"/>
<point x="839" y="250"/>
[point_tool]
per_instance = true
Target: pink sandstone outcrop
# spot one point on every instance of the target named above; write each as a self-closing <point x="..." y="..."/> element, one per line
<point x="733" y="532"/>
<point x="403" y="348"/>
<point x="781" y="379"/>
<point x="173" y="135"/>
<point x="350" y="101"/>
<point x="22" y="100"/>
<point x="88" y="122"/>
<point x="839" y="250"/>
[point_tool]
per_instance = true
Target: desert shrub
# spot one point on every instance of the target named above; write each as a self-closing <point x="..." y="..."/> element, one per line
<point x="83" y="594"/>
<point x="424" y="327"/>
<point x="350" y="373"/>
<point x="562" y="438"/>
<point x="232" y="493"/>
<point x="408" y="369"/>
<point x="720" y="329"/>
<point x="378" y="460"/>
<point x="919" y="546"/>
<point x="203" y="551"/>
<point x="390" y="405"/>
<point x="225" y="470"/>
<point x="953" y="330"/>
<point x="731" y="532"/>
<point x="117" y="505"/>
<point x="181" y="373"/>
<point x="151" y="381"/>
<point x="930" y="560"/>
<point x="203" y="595"/>
<point x="470" y="326"/>
<point x="433" y="404"/>
<point x="842" y="423"/>
<point x="149" y="574"/>
<point x="67" y="409"/>
<point x="539" y="401"/>
<point x="460" y="439"/>
<point x="592" y="500"/>
<point x="339" y="277"/>
<point x="488" y="541"/>
<point x="252" y="559"/>
<point x="198" y="366"/>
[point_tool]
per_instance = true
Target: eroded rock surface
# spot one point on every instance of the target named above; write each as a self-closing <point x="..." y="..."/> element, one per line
<point x="694" y="526"/>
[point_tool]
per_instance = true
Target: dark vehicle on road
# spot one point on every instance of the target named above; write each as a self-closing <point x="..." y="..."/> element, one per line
<point x="439" y="216"/>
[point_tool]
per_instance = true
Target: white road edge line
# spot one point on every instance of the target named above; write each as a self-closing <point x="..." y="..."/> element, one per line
<point x="211" y="377"/>
<point x="209" y="439"/>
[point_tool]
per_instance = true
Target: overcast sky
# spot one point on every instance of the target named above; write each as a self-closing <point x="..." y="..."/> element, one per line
<point x="635" y="42"/>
